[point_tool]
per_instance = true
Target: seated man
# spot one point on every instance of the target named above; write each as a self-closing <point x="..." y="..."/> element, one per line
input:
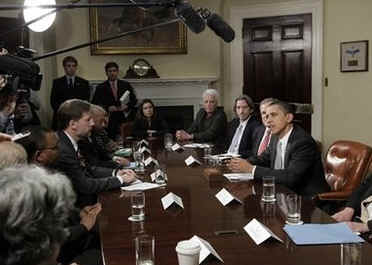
<point x="353" y="207"/>
<point x="292" y="156"/>
<point x="262" y="134"/>
<point x="75" y="122"/>
<point x="41" y="204"/>
<point x="93" y="149"/>
<point x="240" y="129"/>
<point x="210" y="122"/>
<point x="12" y="154"/>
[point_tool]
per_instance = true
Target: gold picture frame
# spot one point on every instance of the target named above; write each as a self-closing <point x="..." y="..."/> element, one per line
<point x="111" y="21"/>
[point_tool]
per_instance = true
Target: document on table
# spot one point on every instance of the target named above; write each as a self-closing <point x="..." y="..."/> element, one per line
<point x="318" y="234"/>
<point x="142" y="186"/>
<point x="238" y="176"/>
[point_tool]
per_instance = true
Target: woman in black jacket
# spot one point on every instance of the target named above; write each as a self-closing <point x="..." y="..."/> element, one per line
<point x="147" y="122"/>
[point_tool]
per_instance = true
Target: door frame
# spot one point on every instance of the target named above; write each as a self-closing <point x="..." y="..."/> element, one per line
<point x="314" y="7"/>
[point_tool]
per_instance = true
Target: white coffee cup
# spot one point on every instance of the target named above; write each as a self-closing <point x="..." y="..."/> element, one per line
<point x="188" y="252"/>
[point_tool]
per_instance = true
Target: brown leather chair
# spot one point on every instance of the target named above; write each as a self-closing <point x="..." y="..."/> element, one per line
<point x="346" y="165"/>
<point x="126" y="130"/>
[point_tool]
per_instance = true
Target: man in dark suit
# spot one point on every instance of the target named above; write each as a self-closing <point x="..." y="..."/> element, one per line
<point x="292" y="156"/>
<point x="240" y="129"/>
<point x="262" y="134"/>
<point x="68" y="87"/>
<point x="108" y="96"/>
<point x="75" y="122"/>
<point x="353" y="207"/>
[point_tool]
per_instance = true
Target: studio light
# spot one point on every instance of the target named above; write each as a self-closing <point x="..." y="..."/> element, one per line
<point x="32" y="13"/>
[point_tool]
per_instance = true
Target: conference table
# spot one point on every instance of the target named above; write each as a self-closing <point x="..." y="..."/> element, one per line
<point x="203" y="215"/>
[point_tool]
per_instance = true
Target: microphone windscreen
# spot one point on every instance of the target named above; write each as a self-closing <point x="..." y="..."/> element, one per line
<point x="190" y="17"/>
<point x="220" y="27"/>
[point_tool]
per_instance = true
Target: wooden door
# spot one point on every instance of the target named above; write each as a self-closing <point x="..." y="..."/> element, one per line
<point x="277" y="61"/>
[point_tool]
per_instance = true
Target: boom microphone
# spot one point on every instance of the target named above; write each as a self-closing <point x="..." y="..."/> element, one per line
<point x="189" y="16"/>
<point x="216" y="23"/>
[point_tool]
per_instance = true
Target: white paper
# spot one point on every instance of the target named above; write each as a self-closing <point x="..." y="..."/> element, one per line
<point x="171" y="198"/>
<point x="150" y="160"/>
<point x="142" y="186"/>
<point x="145" y="149"/>
<point x="177" y="147"/>
<point x="226" y="197"/>
<point x="206" y="249"/>
<point x="20" y="136"/>
<point x="259" y="232"/>
<point x="125" y="97"/>
<point x="190" y="160"/>
<point x="239" y="176"/>
<point x="143" y="142"/>
<point x="197" y="145"/>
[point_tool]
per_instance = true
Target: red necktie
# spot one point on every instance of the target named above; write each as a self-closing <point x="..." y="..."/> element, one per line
<point x="114" y="90"/>
<point x="264" y="143"/>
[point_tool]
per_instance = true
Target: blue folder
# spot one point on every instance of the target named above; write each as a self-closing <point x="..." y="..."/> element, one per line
<point x="319" y="234"/>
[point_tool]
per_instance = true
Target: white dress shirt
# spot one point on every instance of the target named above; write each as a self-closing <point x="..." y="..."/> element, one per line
<point x="234" y="146"/>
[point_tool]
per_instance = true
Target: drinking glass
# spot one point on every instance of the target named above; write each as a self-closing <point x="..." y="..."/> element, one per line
<point x="139" y="159"/>
<point x="137" y="202"/>
<point x="351" y="254"/>
<point x="145" y="250"/>
<point x="268" y="189"/>
<point x="168" y="141"/>
<point x="162" y="178"/>
<point x="294" y="209"/>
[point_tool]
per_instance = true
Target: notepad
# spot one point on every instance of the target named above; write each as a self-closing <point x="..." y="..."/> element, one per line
<point x="321" y="234"/>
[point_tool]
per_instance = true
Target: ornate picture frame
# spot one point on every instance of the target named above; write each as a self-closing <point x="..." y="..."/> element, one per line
<point x="107" y="22"/>
<point x="354" y="56"/>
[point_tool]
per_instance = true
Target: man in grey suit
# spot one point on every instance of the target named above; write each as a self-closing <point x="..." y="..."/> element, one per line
<point x="75" y="122"/>
<point x="292" y="156"/>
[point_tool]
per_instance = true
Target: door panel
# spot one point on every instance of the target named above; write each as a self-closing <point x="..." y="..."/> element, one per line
<point x="277" y="60"/>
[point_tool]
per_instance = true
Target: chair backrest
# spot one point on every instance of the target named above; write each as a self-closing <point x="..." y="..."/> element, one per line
<point x="126" y="130"/>
<point x="346" y="164"/>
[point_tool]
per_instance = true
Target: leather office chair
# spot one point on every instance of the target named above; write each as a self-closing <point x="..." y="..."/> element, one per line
<point x="126" y="130"/>
<point x="346" y="165"/>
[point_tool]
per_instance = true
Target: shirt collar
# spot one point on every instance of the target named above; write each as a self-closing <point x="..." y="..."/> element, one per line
<point x="74" y="143"/>
<point x="244" y="123"/>
<point x="284" y="139"/>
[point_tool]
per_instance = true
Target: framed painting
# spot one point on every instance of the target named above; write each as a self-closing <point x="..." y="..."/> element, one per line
<point x="354" y="56"/>
<point x="108" y="22"/>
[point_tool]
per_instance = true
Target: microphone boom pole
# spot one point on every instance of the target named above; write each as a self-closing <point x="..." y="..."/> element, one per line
<point x="106" y="39"/>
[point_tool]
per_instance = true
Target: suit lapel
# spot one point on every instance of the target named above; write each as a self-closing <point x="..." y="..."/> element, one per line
<point x="63" y="137"/>
<point x="289" y="145"/>
<point x="273" y="142"/>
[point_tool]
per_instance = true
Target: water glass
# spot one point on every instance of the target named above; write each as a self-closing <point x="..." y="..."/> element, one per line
<point x="137" y="202"/>
<point x="207" y="155"/>
<point x="351" y="254"/>
<point x="168" y="141"/>
<point x="161" y="179"/>
<point x="139" y="159"/>
<point x="145" y="250"/>
<point x="268" y="189"/>
<point x="294" y="209"/>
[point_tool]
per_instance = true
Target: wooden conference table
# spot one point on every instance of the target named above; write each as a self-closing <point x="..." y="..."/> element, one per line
<point x="203" y="215"/>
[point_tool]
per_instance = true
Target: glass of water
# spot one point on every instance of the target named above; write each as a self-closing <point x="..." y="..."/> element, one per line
<point x="139" y="159"/>
<point x="294" y="209"/>
<point x="137" y="202"/>
<point x="145" y="250"/>
<point x="168" y="141"/>
<point x="268" y="189"/>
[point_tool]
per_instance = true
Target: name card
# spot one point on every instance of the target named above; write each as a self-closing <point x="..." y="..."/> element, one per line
<point x="226" y="197"/>
<point x="143" y="143"/>
<point x="192" y="161"/>
<point x="142" y="186"/>
<point x="206" y="249"/>
<point x="171" y="198"/>
<point x="177" y="148"/>
<point x="158" y="174"/>
<point x="151" y="161"/>
<point x="20" y="136"/>
<point x="259" y="232"/>
<point x="144" y="150"/>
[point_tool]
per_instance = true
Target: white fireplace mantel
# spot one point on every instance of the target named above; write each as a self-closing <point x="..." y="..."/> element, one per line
<point x="171" y="91"/>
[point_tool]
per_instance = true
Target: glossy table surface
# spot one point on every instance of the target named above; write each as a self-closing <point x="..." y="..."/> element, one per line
<point x="203" y="215"/>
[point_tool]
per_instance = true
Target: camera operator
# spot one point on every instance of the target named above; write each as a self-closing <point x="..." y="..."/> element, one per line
<point x="8" y="98"/>
<point x="25" y="111"/>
